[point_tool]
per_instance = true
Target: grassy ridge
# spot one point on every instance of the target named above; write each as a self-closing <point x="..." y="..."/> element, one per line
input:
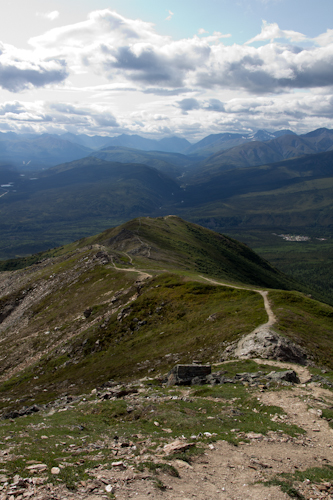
<point x="167" y="322"/>
<point x="306" y="321"/>
<point x="177" y="243"/>
<point x="139" y="327"/>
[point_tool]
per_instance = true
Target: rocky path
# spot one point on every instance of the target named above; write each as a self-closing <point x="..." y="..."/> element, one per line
<point x="302" y="371"/>
<point x="271" y="316"/>
<point x="236" y="473"/>
<point x="225" y="471"/>
<point x="142" y="274"/>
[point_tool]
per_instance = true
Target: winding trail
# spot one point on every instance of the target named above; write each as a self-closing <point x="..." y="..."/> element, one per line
<point x="142" y="275"/>
<point x="264" y="293"/>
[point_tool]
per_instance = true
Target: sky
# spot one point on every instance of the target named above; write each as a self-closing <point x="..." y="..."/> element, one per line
<point x="188" y="68"/>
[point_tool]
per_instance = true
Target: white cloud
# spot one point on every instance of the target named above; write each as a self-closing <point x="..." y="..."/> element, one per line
<point x="123" y="49"/>
<point x="325" y="38"/>
<point x="272" y="31"/>
<point x="196" y="116"/>
<point x="170" y="16"/>
<point x="21" y="69"/>
<point x="131" y="78"/>
<point x="49" y="15"/>
<point x="270" y="68"/>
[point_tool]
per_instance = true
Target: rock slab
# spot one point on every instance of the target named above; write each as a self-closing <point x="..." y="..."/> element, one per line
<point x="184" y="374"/>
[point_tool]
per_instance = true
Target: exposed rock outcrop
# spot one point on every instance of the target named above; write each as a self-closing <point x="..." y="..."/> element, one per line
<point x="184" y="374"/>
<point x="201" y="375"/>
<point x="267" y="344"/>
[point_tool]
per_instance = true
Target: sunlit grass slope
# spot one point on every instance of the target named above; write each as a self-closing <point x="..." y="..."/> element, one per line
<point x="148" y="308"/>
<point x="172" y="243"/>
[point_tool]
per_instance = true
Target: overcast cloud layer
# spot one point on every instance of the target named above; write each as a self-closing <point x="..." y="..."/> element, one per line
<point x="132" y="79"/>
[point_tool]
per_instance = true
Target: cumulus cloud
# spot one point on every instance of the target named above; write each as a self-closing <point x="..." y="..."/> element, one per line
<point x="93" y="114"/>
<point x="215" y="105"/>
<point x="14" y="107"/>
<point x="124" y="49"/>
<point x="20" y="70"/>
<point x="270" y="68"/>
<point x="189" y="104"/>
<point x="68" y="108"/>
<point x="272" y="31"/>
<point x="45" y="117"/>
<point x="300" y="112"/>
<point x="106" y="119"/>
<point x="121" y="55"/>
<point x="325" y="38"/>
<point x="121" y="48"/>
<point x="197" y="117"/>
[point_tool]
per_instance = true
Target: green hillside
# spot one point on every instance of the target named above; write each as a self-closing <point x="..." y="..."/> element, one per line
<point x="289" y="197"/>
<point x="134" y="300"/>
<point x="172" y="164"/>
<point x="299" y="188"/>
<point x="173" y="243"/>
<point x="78" y="199"/>
<point x="143" y="285"/>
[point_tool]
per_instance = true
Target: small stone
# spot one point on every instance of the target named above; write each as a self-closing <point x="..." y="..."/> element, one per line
<point x="37" y="467"/>
<point x="55" y="470"/>
<point x="177" y="446"/>
<point x="87" y="312"/>
<point x="183" y="464"/>
<point x="109" y="488"/>
<point x="254" y="435"/>
<point x="119" y="465"/>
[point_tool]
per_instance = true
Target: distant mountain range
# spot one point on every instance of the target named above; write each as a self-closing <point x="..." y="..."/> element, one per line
<point x="282" y="184"/>
<point x="79" y="198"/>
<point x="220" y="142"/>
<point x="260" y="153"/>
<point x="226" y="150"/>
<point x="35" y="152"/>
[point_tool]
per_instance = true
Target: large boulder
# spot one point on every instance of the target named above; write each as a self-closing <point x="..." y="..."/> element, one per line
<point x="267" y="344"/>
<point x="184" y="374"/>
<point x="286" y="376"/>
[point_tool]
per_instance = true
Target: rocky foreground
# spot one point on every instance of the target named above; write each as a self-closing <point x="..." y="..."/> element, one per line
<point x="282" y="427"/>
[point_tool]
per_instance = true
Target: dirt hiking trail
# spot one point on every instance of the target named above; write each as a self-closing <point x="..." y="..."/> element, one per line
<point x="229" y="472"/>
